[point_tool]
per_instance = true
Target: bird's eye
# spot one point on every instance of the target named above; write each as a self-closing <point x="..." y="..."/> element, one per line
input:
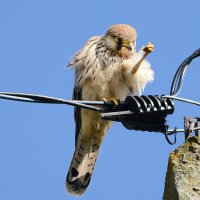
<point x="118" y="39"/>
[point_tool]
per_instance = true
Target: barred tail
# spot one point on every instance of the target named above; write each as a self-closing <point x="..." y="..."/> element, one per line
<point x="81" y="168"/>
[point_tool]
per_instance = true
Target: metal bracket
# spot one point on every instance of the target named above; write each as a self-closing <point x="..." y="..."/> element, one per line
<point x="189" y="126"/>
<point x="197" y="132"/>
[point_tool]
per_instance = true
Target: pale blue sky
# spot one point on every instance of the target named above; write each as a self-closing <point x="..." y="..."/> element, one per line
<point x="37" y="39"/>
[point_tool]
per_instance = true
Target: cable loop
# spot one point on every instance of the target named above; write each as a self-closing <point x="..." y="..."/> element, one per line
<point x="174" y="132"/>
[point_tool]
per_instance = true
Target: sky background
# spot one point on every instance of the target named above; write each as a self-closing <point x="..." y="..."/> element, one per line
<point x="37" y="39"/>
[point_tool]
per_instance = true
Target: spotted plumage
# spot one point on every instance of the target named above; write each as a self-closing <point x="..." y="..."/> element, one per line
<point x="107" y="66"/>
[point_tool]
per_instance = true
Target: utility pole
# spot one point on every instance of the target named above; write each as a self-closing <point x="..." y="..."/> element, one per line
<point x="183" y="173"/>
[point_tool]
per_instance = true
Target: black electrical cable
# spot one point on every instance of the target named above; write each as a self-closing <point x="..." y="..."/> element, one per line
<point x="50" y="100"/>
<point x="180" y="73"/>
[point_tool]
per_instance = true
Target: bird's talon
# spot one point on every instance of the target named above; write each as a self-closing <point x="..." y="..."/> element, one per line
<point x="104" y="100"/>
<point x="148" y="48"/>
<point x="114" y="101"/>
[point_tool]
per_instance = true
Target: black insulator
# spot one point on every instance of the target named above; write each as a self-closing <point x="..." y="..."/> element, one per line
<point x="145" y="113"/>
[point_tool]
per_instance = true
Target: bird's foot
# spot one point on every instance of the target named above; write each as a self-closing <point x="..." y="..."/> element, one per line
<point x="148" y="48"/>
<point x="114" y="101"/>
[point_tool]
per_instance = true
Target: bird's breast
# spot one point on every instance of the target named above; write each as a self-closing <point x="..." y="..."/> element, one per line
<point x="106" y="83"/>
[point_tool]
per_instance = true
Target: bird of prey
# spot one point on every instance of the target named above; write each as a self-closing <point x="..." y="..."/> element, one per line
<point x="106" y="67"/>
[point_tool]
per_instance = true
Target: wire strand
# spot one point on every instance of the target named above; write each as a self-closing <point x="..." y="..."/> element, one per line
<point x="181" y="99"/>
<point x="180" y="74"/>
<point x="50" y="100"/>
<point x="179" y="130"/>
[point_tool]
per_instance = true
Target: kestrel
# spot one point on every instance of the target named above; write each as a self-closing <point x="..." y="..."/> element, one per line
<point x="107" y="67"/>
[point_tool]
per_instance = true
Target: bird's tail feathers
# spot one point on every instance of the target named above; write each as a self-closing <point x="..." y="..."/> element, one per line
<point x="81" y="168"/>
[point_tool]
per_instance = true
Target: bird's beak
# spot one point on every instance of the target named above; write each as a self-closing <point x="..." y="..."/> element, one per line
<point x="128" y="45"/>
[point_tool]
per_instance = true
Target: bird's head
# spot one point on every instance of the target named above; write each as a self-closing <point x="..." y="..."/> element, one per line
<point x="122" y="39"/>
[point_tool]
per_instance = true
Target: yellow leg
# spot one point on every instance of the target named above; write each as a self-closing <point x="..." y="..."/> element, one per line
<point x="147" y="50"/>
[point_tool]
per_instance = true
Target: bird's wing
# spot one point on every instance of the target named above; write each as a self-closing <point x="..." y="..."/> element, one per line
<point x="78" y="60"/>
<point x="77" y="95"/>
<point x="79" y="63"/>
